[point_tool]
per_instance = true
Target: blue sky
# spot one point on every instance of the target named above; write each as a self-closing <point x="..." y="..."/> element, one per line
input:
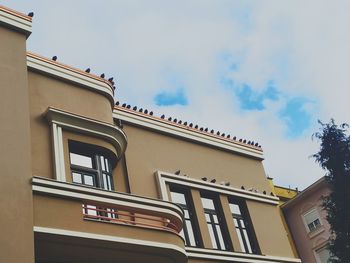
<point x="260" y="70"/>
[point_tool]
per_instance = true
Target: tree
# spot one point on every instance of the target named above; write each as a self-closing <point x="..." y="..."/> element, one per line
<point x="334" y="157"/>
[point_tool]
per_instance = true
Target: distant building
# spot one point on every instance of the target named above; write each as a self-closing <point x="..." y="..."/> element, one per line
<point x="85" y="179"/>
<point x="308" y="224"/>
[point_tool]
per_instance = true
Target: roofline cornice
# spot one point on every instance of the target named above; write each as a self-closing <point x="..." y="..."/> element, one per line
<point x="16" y="20"/>
<point x="185" y="132"/>
<point x="305" y="192"/>
<point x="68" y="73"/>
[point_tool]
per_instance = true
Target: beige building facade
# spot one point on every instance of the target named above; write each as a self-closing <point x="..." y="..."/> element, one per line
<point x="88" y="180"/>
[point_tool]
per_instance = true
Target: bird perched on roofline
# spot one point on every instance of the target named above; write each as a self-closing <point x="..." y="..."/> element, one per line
<point x="102" y="75"/>
<point x="213" y="181"/>
<point x="31" y="14"/>
<point x="87" y="70"/>
<point x="177" y="172"/>
<point x="204" y="178"/>
<point x="54" y="58"/>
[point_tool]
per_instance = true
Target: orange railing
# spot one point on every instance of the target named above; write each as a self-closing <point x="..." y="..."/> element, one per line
<point x="112" y="215"/>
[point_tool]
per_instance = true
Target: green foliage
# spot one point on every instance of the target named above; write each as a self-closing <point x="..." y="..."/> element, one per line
<point x="334" y="157"/>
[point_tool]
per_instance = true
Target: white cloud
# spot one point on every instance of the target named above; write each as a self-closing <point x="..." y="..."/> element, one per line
<point x="302" y="45"/>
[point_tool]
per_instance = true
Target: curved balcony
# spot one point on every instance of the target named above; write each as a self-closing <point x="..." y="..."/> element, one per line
<point x="68" y="218"/>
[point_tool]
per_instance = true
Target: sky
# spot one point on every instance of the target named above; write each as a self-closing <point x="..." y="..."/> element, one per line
<point x="265" y="71"/>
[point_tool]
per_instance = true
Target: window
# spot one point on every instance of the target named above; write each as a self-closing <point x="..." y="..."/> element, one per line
<point x="243" y="227"/>
<point x="190" y="229"/>
<point x="312" y="220"/>
<point x="323" y="255"/>
<point x="215" y="223"/>
<point x="90" y="166"/>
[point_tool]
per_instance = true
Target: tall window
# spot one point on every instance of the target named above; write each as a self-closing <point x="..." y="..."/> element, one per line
<point x="243" y="227"/>
<point x="215" y="223"/>
<point x="323" y="255"/>
<point x="312" y="220"/>
<point x="190" y="230"/>
<point x="90" y="166"/>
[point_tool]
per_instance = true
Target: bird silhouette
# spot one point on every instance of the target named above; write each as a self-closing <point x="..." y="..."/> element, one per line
<point x="213" y="181"/>
<point x="31" y="14"/>
<point x="163" y="116"/>
<point x="110" y="79"/>
<point x="54" y="58"/>
<point x="177" y="172"/>
<point x="204" y="178"/>
<point x="102" y="75"/>
<point x="87" y="70"/>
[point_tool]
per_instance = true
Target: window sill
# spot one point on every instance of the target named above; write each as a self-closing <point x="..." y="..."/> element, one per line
<point x="316" y="232"/>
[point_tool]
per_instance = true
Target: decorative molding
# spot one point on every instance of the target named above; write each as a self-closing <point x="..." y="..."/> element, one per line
<point x="164" y="177"/>
<point x="219" y="255"/>
<point x="68" y="73"/>
<point x="74" y="191"/>
<point x="15" y="20"/>
<point x="124" y="240"/>
<point x="167" y="128"/>
<point x="59" y="120"/>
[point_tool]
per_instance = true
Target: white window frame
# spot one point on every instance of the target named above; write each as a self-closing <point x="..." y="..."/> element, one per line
<point x="306" y="224"/>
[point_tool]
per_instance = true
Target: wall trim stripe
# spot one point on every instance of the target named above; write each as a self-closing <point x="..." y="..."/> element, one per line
<point x="70" y="233"/>
<point x="167" y="128"/>
<point x="163" y="178"/>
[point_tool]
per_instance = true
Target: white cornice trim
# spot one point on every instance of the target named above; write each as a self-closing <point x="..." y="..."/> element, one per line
<point x="73" y="191"/>
<point x="15" y="22"/>
<point x="164" y="127"/>
<point x="106" y="131"/>
<point x="54" y="69"/>
<point x="220" y="255"/>
<point x="313" y="187"/>
<point x="163" y="178"/>
<point x="124" y="240"/>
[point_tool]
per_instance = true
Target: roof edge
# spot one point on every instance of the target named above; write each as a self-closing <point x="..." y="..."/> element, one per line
<point x="16" y="20"/>
<point x="192" y="134"/>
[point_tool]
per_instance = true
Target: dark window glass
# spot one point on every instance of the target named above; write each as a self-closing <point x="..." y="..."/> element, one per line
<point x="190" y="229"/>
<point x="90" y="166"/>
<point x="243" y="227"/>
<point x="216" y="226"/>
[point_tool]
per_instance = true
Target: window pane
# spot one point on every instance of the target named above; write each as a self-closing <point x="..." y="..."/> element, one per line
<point x="178" y="198"/>
<point x="212" y="236"/>
<point x="207" y="218"/>
<point x="110" y="183"/>
<point x="88" y="180"/>
<point x="208" y="203"/>
<point x="235" y="209"/>
<point x="240" y="240"/>
<point x="104" y="178"/>
<point x="247" y="241"/>
<point x="102" y="163"/>
<point x="107" y="165"/>
<point x="81" y="160"/>
<point x="77" y="178"/>
<point x="187" y="216"/>
<point x="221" y="240"/>
<point x="91" y="210"/>
<point x="190" y="233"/>
<point x="215" y="219"/>
<point x="235" y="222"/>
<point x="242" y="223"/>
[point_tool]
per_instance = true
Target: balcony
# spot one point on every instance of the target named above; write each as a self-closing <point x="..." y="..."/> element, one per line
<point x="74" y="223"/>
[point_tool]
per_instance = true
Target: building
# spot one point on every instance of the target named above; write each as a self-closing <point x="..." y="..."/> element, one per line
<point x="85" y="180"/>
<point x="308" y="224"/>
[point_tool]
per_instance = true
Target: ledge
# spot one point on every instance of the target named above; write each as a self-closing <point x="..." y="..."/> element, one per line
<point x="164" y="177"/>
<point x="219" y="255"/>
<point x="85" y="193"/>
<point x="165" y="127"/>
<point x="89" y="126"/>
<point x="15" y="20"/>
<point x="71" y="74"/>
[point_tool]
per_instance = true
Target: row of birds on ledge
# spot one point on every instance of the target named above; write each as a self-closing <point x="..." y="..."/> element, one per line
<point x="88" y="70"/>
<point x="191" y="125"/>
<point x="226" y="184"/>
